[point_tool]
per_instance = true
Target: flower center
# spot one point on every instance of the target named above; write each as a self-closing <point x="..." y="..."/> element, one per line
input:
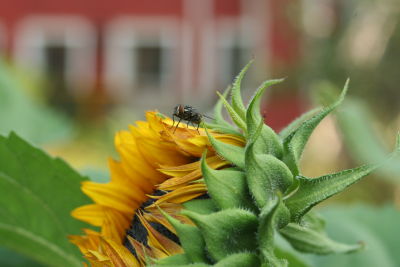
<point x="137" y="230"/>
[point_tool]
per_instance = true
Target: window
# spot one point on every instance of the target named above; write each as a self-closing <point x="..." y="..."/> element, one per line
<point x="139" y="59"/>
<point x="55" y="66"/>
<point x="236" y="58"/>
<point x="148" y="66"/>
<point x="61" y="50"/>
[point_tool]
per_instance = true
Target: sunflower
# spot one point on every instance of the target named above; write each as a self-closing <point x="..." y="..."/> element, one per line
<point x="150" y="212"/>
<point x="159" y="168"/>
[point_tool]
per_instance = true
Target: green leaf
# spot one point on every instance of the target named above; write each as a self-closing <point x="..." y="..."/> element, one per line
<point x="292" y="127"/>
<point x="226" y="232"/>
<point x="190" y="238"/>
<point x="233" y="114"/>
<point x="294" y="144"/>
<point x="233" y="154"/>
<point x="202" y="206"/>
<point x="218" y="117"/>
<point x="227" y="188"/>
<point x="274" y="215"/>
<point x="266" y="176"/>
<point x="312" y="191"/>
<point x="312" y="241"/>
<point x="269" y="142"/>
<point x="37" y="196"/>
<point x="237" y="102"/>
<point x="239" y="260"/>
<point x="10" y="258"/>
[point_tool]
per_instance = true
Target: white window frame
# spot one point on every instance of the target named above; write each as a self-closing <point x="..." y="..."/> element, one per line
<point x="122" y="35"/>
<point x="78" y="36"/>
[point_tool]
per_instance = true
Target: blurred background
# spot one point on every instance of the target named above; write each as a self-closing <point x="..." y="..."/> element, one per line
<point x="73" y="72"/>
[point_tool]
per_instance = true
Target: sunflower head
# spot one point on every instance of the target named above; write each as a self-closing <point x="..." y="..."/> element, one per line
<point x="159" y="168"/>
<point x="182" y="195"/>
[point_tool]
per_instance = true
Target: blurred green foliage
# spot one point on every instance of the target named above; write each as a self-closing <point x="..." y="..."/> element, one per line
<point x="21" y="114"/>
<point x="363" y="43"/>
<point x="377" y="227"/>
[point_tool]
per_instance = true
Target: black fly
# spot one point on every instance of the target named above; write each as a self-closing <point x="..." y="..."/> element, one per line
<point x="188" y="114"/>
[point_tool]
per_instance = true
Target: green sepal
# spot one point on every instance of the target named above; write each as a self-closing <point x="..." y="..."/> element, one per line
<point x="202" y="206"/>
<point x="228" y="188"/>
<point x="309" y="240"/>
<point x="292" y="258"/>
<point x="294" y="144"/>
<point x="313" y="221"/>
<point x="266" y="176"/>
<point x="226" y="232"/>
<point x="239" y="260"/>
<point x="278" y="263"/>
<point x="268" y="142"/>
<point x="232" y="113"/>
<point x="181" y="265"/>
<point x="237" y="102"/>
<point x="273" y="216"/>
<point x="173" y="260"/>
<point x="190" y="238"/>
<point x="312" y="191"/>
<point x="292" y="127"/>
<point x="221" y="128"/>
<point x="218" y="117"/>
<point x="233" y="154"/>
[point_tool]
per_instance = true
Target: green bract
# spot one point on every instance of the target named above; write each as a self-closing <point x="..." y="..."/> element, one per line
<point x="263" y="196"/>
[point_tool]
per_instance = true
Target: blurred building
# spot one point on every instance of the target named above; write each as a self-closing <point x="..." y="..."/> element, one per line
<point x="145" y="52"/>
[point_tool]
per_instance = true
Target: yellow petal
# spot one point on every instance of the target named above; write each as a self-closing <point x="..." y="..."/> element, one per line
<point x="183" y="194"/>
<point x="92" y="214"/>
<point x="182" y="170"/>
<point x="157" y="240"/>
<point x="143" y="252"/>
<point x="130" y="177"/>
<point x="115" y="225"/>
<point x="114" y="196"/>
<point x="132" y="160"/>
<point x="158" y="154"/>
<point x="174" y="183"/>
<point x="118" y="254"/>
<point x="97" y="258"/>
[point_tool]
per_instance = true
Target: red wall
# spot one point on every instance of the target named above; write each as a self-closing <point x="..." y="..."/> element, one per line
<point x="11" y="12"/>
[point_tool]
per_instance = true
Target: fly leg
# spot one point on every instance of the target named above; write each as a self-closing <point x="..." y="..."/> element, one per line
<point x="177" y="124"/>
<point x="173" y="121"/>
<point x="197" y="128"/>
